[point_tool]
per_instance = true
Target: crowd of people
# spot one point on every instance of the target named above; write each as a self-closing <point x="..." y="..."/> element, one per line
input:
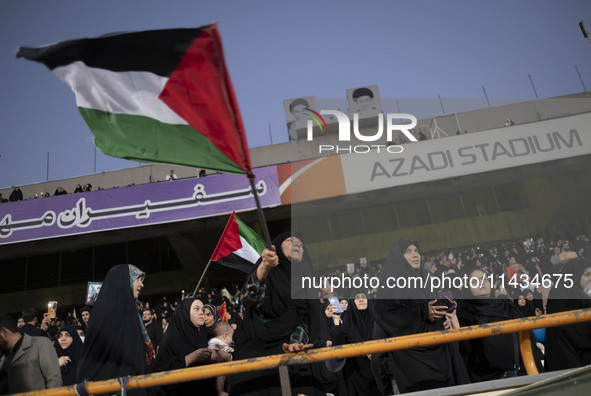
<point x="17" y="194"/>
<point x="122" y="335"/>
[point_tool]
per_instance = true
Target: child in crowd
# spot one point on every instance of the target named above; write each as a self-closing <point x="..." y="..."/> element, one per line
<point x="222" y="337"/>
<point x="221" y="341"/>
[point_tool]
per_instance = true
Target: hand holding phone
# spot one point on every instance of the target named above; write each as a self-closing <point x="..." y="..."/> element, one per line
<point x="52" y="309"/>
<point x="335" y="302"/>
<point x="446" y="299"/>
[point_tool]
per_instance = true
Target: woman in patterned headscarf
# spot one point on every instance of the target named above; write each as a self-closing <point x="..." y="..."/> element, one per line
<point x="117" y="343"/>
<point x="212" y="315"/>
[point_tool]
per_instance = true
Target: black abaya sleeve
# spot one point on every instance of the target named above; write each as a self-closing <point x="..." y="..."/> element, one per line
<point x="402" y="317"/>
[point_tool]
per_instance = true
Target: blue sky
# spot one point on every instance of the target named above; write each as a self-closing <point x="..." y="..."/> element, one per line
<point x="277" y="50"/>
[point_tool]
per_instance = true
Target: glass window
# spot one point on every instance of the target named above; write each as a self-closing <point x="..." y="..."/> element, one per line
<point x="479" y="202"/>
<point x="413" y="213"/>
<point x="446" y="208"/>
<point x="379" y="218"/>
<point x="509" y="196"/>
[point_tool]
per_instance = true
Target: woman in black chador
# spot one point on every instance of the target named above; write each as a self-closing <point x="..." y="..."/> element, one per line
<point x="68" y="347"/>
<point x="569" y="346"/>
<point x="185" y="345"/>
<point x="412" y="310"/>
<point x="117" y="343"/>
<point x="16" y="195"/>
<point x="491" y="357"/>
<point x="274" y="322"/>
<point x="356" y="377"/>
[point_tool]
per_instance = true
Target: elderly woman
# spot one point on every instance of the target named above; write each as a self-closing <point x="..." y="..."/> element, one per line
<point x="274" y="322"/>
<point x="117" y="343"/>
<point x="404" y="311"/>
<point x="570" y="346"/>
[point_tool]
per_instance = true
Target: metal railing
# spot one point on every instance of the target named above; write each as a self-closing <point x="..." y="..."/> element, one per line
<point x="523" y="326"/>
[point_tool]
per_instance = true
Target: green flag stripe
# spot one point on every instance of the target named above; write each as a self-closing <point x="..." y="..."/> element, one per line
<point x="252" y="237"/>
<point x="147" y="140"/>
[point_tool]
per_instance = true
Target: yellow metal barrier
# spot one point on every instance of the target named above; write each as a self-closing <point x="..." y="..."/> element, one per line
<point x="523" y="326"/>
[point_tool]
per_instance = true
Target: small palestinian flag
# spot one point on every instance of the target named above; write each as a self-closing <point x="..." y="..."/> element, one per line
<point x="450" y="257"/>
<point x="162" y="96"/>
<point x="223" y="313"/>
<point x="239" y="246"/>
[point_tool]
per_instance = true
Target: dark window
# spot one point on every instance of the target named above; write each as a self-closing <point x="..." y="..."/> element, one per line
<point x="76" y="266"/>
<point x="106" y="257"/>
<point x="413" y="213"/>
<point x="509" y="196"/>
<point x="379" y="218"/>
<point x="43" y="271"/>
<point x="446" y="208"/>
<point x="346" y="223"/>
<point x="13" y="275"/>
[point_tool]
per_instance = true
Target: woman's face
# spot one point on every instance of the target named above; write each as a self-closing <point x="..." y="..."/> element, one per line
<point x="196" y="314"/>
<point x="293" y="249"/>
<point x="413" y="256"/>
<point x="344" y="304"/>
<point x="64" y="339"/>
<point x="521" y="302"/>
<point x="328" y="311"/>
<point x="483" y="288"/>
<point x="361" y="301"/>
<point x="586" y="278"/>
<point x="138" y="284"/>
<point x="209" y="318"/>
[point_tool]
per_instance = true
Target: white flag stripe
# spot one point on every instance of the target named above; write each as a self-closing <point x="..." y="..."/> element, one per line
<point x="133" y="93"/>
<point x="247" y="252"/>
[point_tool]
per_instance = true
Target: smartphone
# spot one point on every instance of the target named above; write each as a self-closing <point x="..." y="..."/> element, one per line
<point x="335" y="302"/>
<point x="52" y="309"/>
<point x="446" y="299"/>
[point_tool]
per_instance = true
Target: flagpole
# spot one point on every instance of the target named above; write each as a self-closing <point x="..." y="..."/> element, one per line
<point x="260" y="211"/>
<point x="200" y="279"/>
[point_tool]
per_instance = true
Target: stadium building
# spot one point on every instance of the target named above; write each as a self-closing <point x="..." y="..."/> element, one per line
<point x="522" y="170"/>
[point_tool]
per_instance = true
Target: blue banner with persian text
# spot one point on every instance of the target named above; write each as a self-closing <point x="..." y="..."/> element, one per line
<point x="135" y="206"/>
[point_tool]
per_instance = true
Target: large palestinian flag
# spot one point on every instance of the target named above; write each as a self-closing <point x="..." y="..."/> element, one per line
<point x="161" y="96"/>
<point x="239" y="246"/>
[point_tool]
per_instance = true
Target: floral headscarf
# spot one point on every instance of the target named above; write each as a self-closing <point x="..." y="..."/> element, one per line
<point x="136" y="273"/>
